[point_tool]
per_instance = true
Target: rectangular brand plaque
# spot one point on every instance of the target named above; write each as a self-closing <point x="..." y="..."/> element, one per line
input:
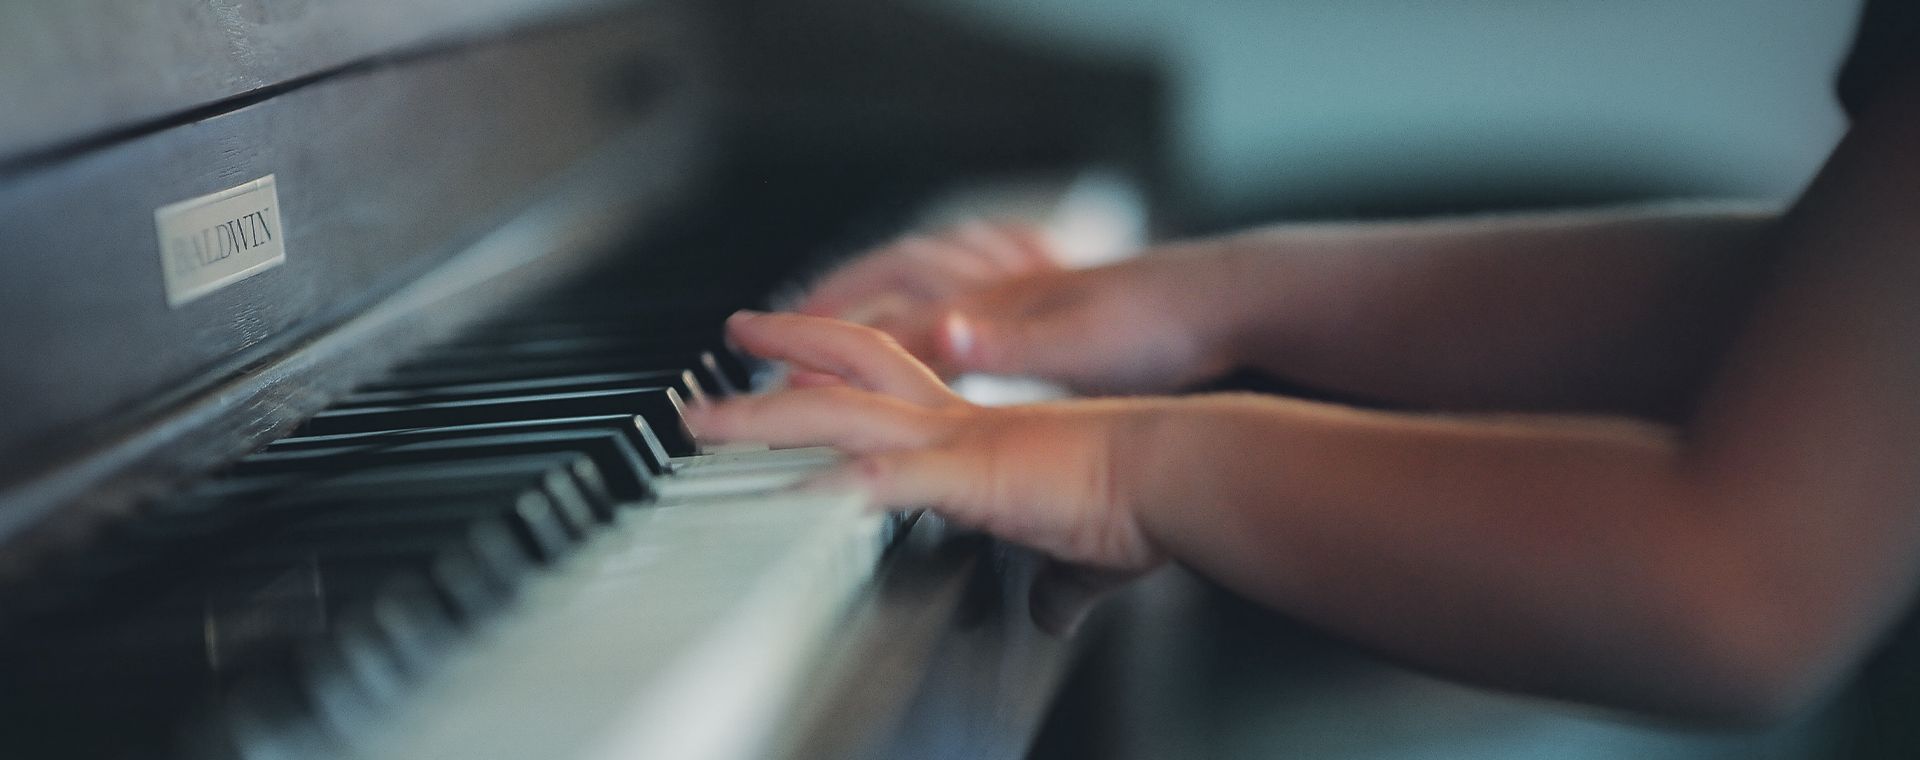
<point x="213" y="241"/>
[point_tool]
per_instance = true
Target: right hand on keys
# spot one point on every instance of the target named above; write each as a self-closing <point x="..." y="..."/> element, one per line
<point x="1045" y="476"/>
<point x="989" y="298"/>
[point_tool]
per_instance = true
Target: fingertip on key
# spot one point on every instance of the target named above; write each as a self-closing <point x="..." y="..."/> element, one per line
<point x="700" y="418"/>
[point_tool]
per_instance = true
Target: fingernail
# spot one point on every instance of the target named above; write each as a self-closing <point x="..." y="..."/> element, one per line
<point x="960" y="336"/>
<point x="744" y="314"/>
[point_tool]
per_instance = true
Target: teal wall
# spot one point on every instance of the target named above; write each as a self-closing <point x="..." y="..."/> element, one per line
<point x="1316" y="107"/>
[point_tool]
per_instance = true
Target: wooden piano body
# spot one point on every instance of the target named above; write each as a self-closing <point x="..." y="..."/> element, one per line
<point x="435" y="166"/>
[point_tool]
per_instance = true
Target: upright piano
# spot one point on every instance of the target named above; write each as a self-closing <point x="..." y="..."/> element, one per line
<point x="345" y="345"/>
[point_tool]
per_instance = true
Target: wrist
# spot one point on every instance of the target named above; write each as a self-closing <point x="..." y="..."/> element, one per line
<point x="1225" y="296"/>
<point x="1138" y="445"/>
<point x="1188" y="461"/>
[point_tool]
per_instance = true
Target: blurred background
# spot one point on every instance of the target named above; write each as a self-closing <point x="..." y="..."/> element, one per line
<point x="1342" y="107"/>
<point x="1374" y="108"/>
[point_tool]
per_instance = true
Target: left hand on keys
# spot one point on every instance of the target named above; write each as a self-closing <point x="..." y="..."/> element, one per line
<point x="1047" y="476"/>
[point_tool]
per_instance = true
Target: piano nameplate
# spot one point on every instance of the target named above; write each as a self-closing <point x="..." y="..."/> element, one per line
<point x="213" y="241"/>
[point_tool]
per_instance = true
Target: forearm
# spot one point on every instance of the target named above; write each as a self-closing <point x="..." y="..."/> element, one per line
<point x="1573" y="558"/>
<point x="1730" y="565"/>
<point x="1608" y="310"/>
<point x="1733" y="565"/>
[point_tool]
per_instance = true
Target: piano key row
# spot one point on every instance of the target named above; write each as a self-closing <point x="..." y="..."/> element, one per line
<point x="340" y="689"/>
<point x="328" y="570"/>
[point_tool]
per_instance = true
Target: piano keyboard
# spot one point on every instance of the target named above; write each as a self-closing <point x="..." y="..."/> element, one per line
<point x="341" y="592"/>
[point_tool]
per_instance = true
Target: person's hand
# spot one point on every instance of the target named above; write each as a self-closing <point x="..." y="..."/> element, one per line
<point x="916" y="270"/>
<point x="1044" y="476"/>
<point x="984" y="298"/>
<point x="1143" y="326"/>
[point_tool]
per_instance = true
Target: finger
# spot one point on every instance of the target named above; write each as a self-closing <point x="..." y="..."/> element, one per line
<point x="956" y="341"/>
<point x="846" y="287"/>
<point x="1063" y="593"/>
<point x="931" y="267"/>
<point x="808" y="379"/>
<point x="865" y="357"/>
<point x="951" y="485"/>
<point x="1013" y="247"/>
<point x="914" y="328"/>
<point x="880" y="309"/>
<point x="956" y="484"/>
<point x="845" y="418"/>
<point x="938" y="268"/>
<point x="975" y="343"/>
<point x="921" y="267"/>
<point x="914" y="478"/>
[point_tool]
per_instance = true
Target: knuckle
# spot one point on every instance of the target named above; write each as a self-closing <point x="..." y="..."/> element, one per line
<point x="721" y="420"/>
<point x="848" y="331"/>
<point x="914" y="250"/>
<point x="775" y="321"/>
<point x="742" y="412"/>
<point x="886" y="341"/>
<point x="836" y="395"/>
<point x="866" y="339"/>
<point x="947" y="425"/>
<point x="876" y="469"/>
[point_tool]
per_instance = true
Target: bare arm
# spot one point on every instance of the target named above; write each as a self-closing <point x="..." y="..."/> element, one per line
<point x="1612" y="310"/>
<point x="1732" y="567"/>
<point x="1618" y="310"/>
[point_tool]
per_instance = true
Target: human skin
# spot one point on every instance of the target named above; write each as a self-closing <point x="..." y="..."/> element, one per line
<point x="1691" y="492"/>
<point x="1622" y="309"/>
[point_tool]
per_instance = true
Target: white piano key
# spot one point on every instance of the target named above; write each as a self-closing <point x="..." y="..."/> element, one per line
<point x="683" y="631"/>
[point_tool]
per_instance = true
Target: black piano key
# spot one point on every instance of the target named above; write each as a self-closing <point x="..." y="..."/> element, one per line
<point x="617" y="345"/>
<point x="183" y="641"/>
<point x="714" y="372"/>
<point x="682" y="381"/>
<point x="692" y="313"/>
<point x="175" y="536"/>
<point x="408" y="615"/>
<point x="216" y="627"/>
<point x="342" y="705"/>
<point x="404" y="528"/>
<point x="635" y="429"/>
<point x="264" y="717"/>
<point x="728" y="376"/>
<point x="572" y="480"/>
<point x="474" y="581"/>
<point x="347" y="679"/>
<point x="476" y="570"/>
<point x="163" y="645"/>
<point x="660" y="406"/>
<point x="622" y="466"/>
<point x="369" y="658"/>
<point x="580" y="343"/>
<point x="247" y="608"/>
